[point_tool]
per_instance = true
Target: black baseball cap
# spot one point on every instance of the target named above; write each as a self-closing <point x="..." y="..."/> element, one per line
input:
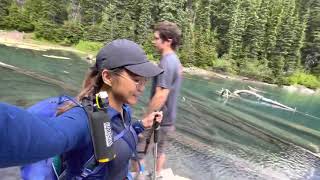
<point x="127" y="54"/>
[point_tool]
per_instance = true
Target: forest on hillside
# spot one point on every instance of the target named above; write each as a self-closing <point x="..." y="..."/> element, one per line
<point x="276" y="41"/>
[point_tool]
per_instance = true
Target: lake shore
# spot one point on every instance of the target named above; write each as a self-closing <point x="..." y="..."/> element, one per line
<point x="211" y="74"/>
<point x="25" y="41"/>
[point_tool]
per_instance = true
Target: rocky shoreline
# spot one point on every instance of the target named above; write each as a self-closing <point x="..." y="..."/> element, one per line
<point x="18" y="39"/>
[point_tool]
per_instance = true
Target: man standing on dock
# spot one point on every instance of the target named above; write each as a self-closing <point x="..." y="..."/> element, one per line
<point x="165" y="88"/>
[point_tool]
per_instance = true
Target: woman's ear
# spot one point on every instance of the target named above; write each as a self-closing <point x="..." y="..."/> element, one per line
<point x="106" y="77"/>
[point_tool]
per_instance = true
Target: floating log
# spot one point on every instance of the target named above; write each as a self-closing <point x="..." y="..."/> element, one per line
<point x="55" y="57"/>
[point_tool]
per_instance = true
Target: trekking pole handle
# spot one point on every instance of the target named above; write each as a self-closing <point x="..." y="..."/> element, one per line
<point x="156" y="127"/>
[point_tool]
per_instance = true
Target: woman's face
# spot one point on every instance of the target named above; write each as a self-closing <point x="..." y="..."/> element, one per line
<point x="127" y="86"/>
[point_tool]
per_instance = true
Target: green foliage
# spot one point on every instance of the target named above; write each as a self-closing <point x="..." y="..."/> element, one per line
<point x="109" y="23"/>
<point x="236" y="31"/>
<point x="224" y="64"/>
<point x="91" y="11"/>
<point x="144" y="21"/>
<point x="276" y="64"/>
<point x="88" y="46"/>
<point x="203" y="12"/>
<point x="171" y="10"/>
<point x="47" y="10"/>
<point x="167" y="10"/>
<point x="256" y="69"/>
<point x="126" y="28"/>
<point x="205" y="52"/>
<point x="18" y="20"/>
<point x="254" y="35"/>
<point x="304" y="79"/>
<point x="72" y="33"/>
<point x="272" y="28"/>
<point x="118" y="21"/>
<point x="187" y="50"/>
<point x="286" y="38"/>
<point x="223" y="13"/>
<point x="311" y="50"/>
<point x="150" y="49"/>
<point x="316" y="70"/>
<point x="4" y="11"/>
<point x="93" y="33"/>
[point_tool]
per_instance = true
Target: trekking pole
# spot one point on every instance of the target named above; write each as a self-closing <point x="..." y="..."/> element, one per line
<point x="156" y="127"/>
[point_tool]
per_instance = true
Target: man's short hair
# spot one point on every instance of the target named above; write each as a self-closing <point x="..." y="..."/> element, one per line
<point x="168" y="30"/>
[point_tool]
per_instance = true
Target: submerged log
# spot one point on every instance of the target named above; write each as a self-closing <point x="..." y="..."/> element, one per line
<point x="261" y="98"/>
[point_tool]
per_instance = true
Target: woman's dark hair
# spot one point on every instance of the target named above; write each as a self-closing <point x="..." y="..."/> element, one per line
<point x="91" y="85"/>
<point x="168" y="30"/>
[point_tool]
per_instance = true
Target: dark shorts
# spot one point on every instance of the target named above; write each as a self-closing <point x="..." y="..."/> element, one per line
<point x="164" y="133"/>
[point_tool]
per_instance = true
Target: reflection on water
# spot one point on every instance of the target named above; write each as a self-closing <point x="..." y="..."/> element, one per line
<point x="70" y="71"/>
<point x="24" y="90"/>
<point x="245" y="141"/>
<point x="226" y="161"/>
<point x="214" y="139"/>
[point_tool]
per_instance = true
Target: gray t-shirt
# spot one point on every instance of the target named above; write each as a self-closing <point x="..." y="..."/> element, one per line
<point x="170" y="79"/>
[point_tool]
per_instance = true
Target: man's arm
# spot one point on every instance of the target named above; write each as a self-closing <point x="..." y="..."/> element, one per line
<point x="158" y="99"/>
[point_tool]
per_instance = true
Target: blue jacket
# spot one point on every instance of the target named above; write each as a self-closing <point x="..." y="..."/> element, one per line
<point x="27" y="138"/>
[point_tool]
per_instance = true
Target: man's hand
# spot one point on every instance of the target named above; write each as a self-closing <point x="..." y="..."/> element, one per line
<point x="148" y="120"/>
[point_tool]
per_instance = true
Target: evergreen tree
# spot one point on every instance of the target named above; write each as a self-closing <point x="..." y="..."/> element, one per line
<point x="299" y="28"/>
<point x="167" y="10"/>
<point x="49" y="31"/>
<point x="172" y="10"/>
<point x="12" y="20"/>
<point x="223" y="11"/>
<point x="236" y="31"/>
<point x="46" y="10"/>
<point x="144" y="21"/>
<point x="4" y="11"/>
<point x="203" y="13"/>
<point x="204" y="39"/>
<point x="126" y="28"/>
<point x="270" y="41"/>
<point x="286" y="34"/>
<point x="255" y="29"/>
<point x="187" y="50"/>
<point x="205" y="52"/>
<point x="17" y="19"/>
<point x="91" y="11"/>
<point x="119" y="20"/>
<point x="109" y="23"/>
<point x="311" y="51"/>
<point x="72" y="33"/>
<point x="94" y="33"/>
<point x="74" y="11"/>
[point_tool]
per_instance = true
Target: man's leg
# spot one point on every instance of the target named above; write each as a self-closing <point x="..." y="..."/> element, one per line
<point x="163" y="145"/>
<point x="160" y="162"/>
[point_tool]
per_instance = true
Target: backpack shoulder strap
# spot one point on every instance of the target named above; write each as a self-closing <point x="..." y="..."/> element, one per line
<point x="91" y="166"/>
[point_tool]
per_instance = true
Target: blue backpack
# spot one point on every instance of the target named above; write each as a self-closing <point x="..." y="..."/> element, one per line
<point x="52" y="168"/>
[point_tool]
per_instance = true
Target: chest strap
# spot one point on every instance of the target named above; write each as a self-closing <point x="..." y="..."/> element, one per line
<point x="93" y="167"/>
